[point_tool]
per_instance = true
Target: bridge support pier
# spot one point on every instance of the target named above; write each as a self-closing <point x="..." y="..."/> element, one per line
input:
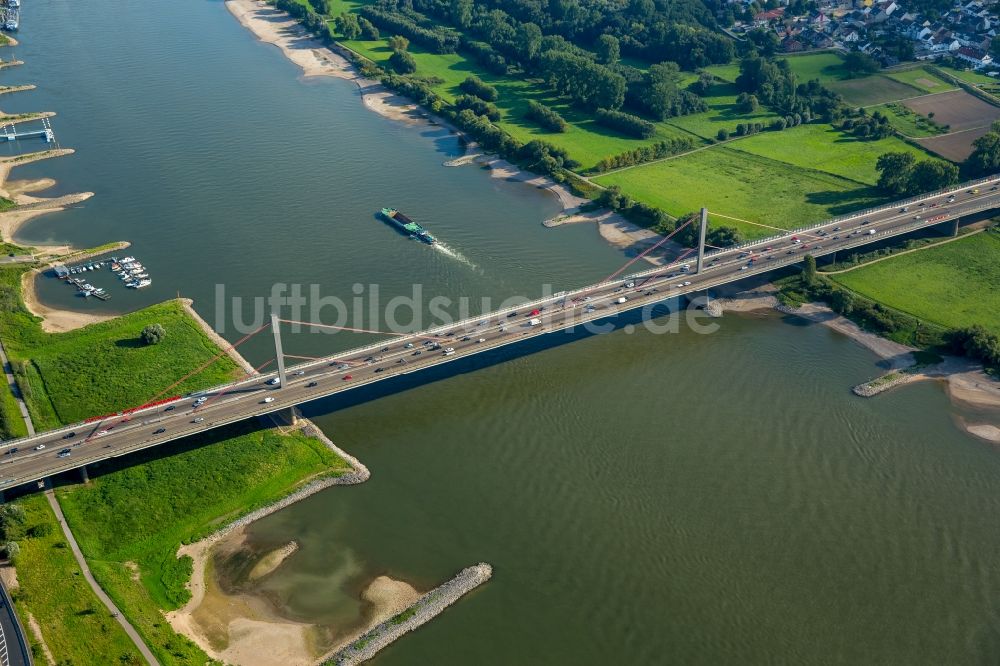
<point x="84" y="476"/>
<point x="954" y="229"/>
<point x="284" y="417"/>
<point x="701" y="239"/>
<point x="278" y="353"/>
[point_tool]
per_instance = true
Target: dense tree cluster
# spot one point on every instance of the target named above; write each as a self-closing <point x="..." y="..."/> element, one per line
<point x="642" y="214"/>
<point x="478" y="106"/>
<point x="772" y="82"/>
<point x="625" y="123"/>
<point x="402" y="62"/>
<point x="475" y="86"/>
<point x="860" y="64"/>
<point x="985" y="157"/>
<point x="313" y="22"/>
<point x="679" y="31"/>
<point x="586" y="82"/>
<point x="153" y="334"/>
<point x="433" y="37"/>
<point x="485" y="55"/>
<point x="977" y="343"/>
<point x="902" y="174"/>
<point x="656" y="151"/>
<point x="657" y="93"/>
<point x="868" y="128"/>
<point x="545" y="117"/>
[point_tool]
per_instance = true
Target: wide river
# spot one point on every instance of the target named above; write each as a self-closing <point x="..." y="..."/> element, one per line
<point x="643" y="498"/>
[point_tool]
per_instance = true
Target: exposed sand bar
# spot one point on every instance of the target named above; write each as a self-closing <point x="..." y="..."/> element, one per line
<point x="10" y="63"/>
<point x="422" y="611"/>
<point x="252" y="637"/>
<point x="280" y="29"/>
<point x="14" y="119"/>
<point x="270" y="562"/>
<point x="13" y="89"/>
<point x="55" y="320"/>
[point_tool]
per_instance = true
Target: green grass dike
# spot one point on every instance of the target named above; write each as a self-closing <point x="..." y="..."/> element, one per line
<point x="131" y="519"/>
<point x="53" y="598"/>
<point x="138" y="509"/>
<point x="104" y="367"/>
<point x="951" y="284"/>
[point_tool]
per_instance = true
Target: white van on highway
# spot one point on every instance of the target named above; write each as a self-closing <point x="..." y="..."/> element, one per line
<point x="620" y="300"/>
<point x="449" y="351"/>
<point x="534" y="322"/>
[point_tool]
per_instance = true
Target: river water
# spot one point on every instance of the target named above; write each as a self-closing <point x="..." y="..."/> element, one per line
<point x="643" y="498"/>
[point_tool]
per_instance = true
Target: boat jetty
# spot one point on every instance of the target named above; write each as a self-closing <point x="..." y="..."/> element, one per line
<point x="132" y="273"/>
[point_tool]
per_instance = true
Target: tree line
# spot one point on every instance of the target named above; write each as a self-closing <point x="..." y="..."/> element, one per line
<point x="656" y="151"/>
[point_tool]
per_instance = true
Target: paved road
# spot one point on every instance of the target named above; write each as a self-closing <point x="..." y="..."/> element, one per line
<point x="13" y="645"/>
<point x="33" y="458"/>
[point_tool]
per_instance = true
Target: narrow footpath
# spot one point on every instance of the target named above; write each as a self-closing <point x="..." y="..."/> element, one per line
<point x="12" y="383"/>
<point x="51" y="496"/>
<point x="105" y="599"/>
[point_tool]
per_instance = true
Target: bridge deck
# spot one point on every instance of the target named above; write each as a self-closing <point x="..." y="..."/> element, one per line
<point x="92" y="442"/>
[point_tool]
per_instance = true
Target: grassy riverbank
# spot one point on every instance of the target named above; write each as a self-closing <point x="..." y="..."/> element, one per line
<point x="132" y="517"/>
<point x="953" y="284"/>
<point x="104" y="367"/>
<point x="76" y="628"/>
<point x="139" y="509"/>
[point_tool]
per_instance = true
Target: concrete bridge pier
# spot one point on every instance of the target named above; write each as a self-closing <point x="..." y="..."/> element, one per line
<point x="283" y="417"/>
<point x="84" y="476"/>
<point x="701" y="239"/>
<point x="954" y="229"/>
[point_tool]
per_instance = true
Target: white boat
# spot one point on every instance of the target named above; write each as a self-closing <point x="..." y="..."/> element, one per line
<point x="143" y="283"/>
<point x="126" y="260"/>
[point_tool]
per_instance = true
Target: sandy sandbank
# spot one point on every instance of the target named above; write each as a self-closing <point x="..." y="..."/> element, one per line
<point x="270" y="562"/>
<point x="275" y="27"/>
<point x="243" y="630"/>
<point x="54" y="320"/>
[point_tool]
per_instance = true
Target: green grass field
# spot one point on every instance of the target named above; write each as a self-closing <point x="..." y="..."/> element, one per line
<point x="821" y="147"/>
<point x="826" y="66"/>
<point x="75" y="626"/>
<point x="970" y="76"/>
<point x="11" y="423"/>
<point x="103" y="367"/>
<point x="585" y="140"/>
<point x="134" y="515"/>
<point x="745" y="186"/>
<point x="954" y="284"/>
<point x="922" y="80"/>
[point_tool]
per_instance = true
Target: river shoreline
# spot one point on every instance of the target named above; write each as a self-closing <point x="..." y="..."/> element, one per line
<point x="252" y="632"/>
<point x="966" y="382"/>
<point x="276" y="27"/>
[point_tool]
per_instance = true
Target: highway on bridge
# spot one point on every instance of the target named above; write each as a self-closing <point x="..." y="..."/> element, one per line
<point x="32" y="458"/>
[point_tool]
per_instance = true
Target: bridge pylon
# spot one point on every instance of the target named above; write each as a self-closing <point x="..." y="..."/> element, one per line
<point x="278" y="353"/>
<point x="701" y="239"/>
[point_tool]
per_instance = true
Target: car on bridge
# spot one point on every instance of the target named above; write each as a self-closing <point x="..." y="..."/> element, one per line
<point x="267" y="399"/>
<point x="65" y="453"/>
